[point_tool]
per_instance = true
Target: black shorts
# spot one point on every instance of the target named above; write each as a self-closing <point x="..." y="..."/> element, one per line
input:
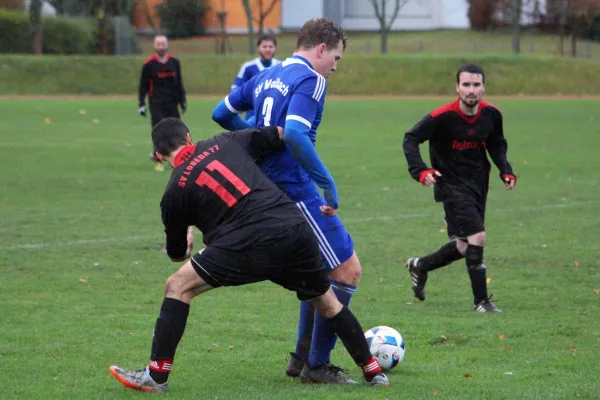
<point x="465" y="216"/>
<point x="161" y="111"/>
<point x="290" y="259"/>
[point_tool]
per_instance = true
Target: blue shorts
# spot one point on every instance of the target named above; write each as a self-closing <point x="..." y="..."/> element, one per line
<point x="335" y="243"/>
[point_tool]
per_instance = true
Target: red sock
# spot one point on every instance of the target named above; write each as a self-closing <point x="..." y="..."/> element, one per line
<point x="160" y="369"/>
<point x="372" y="367"/>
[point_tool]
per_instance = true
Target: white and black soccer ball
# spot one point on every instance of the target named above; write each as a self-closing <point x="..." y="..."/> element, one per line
<point x="386" y="345"/>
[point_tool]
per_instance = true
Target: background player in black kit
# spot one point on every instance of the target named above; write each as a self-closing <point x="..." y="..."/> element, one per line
<point x="252" y="231"/>
<point x="161" y="80"/>
<point x="459" y="135"/>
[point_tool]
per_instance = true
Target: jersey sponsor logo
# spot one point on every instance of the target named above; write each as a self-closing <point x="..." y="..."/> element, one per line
<point x="164" y="75"/>
<point x="272" y="84"/>
<point x="467" y="145"/>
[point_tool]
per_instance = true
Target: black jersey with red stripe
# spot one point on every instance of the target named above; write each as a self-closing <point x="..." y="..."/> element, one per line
<point x="162" y="81"/>
<point x="217" y="187"/>
<point x="458" y="148"/>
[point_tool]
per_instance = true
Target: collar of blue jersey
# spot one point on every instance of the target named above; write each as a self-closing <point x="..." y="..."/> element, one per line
<point x="304" y="60"/>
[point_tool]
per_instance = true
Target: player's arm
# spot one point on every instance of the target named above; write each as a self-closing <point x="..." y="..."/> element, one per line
<point x="180" y="88"/>
<point x="227" y="112"/>
<point x="301" y="113"/>
<point x="144" y="86"/>
<point x="421" y="132"/>
<point x="240" y="77"/>
<point x="497" y="148"/>
<point x="258" y="142"/>
<point x="178" y="245"/>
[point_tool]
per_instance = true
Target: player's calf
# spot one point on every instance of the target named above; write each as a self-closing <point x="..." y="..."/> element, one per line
<point x="350" y="332"/>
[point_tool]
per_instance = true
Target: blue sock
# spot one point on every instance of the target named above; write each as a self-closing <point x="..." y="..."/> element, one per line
<point x="305" y="330"/>
<point x="324" y="337"/>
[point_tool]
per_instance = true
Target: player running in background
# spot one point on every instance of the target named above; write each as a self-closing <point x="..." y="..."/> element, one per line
<point x="459" y="135"/>
<point x="292" y="94"/>
<point x="253" y="233"/>
<point x="266" y="48"/>
<point x="161" y="80"/>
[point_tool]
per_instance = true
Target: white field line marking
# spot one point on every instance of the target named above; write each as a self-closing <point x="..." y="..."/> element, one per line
<point x="35" y="246"/>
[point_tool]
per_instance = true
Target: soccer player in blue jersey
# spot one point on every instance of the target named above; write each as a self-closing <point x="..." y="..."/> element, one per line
<point x="292" y="95"/>
<point x="266" y="48"/>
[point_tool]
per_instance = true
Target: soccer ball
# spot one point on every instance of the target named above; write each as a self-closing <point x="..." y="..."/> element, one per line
<point x="386" y="345"/>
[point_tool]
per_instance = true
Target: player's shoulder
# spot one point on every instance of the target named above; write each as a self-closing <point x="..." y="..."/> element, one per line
<point x="452" y="107"/>
<point x="151" y="59"/>
<point x="489" y="107"/>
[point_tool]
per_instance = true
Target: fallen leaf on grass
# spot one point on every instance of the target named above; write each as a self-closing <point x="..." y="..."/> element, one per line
<point x="444" y="338"/>
<point x="128" y="332"/>
<point x="230" y="348"/>
<point x="508" y="373"/>
<point x="576" y="264"/>
<point x="209" y="350"/>
<point x="501" y="337"/>
<point x="82" y="112"/>
<point x="386" y="188"/>
<point x="101" y="208"/>
<point x="507" y="348"/>
<point x="596" y="291"/>
<point x="47" y="120"/>
<point x="436" y="392"/>
<point x="573" y="349"/>
<point x="409" y="303"/>
<point x="83" y="280"/>
<point x="467" y="375"/>
<point x="443" y="230"/>
<point x="95" y="121"/>
<point x="544" y="246"/>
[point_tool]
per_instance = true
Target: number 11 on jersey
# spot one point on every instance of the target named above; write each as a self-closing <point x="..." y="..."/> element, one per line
<point x="266" y="111"/>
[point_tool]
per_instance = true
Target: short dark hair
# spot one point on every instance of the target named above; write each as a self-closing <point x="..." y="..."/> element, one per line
<point x="471" y="69"/>
<point x="168" y="135"/>
<point x="266" y="38"/>
<point x="320" y="30"/>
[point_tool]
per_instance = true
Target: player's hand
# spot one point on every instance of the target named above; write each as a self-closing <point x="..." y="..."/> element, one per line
<point x="429" y="177"/>
<point x="328" y="211"/>
<point x="331" y="198"/>
<point x="280" y="131"/>
<point x="142" y="111"/>
<point x="510" y="181"/>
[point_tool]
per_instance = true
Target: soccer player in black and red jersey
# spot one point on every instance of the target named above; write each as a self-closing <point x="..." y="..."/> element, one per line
<point x="252" y="233"/>
<point x="161" y="80"/>
<point x="459" y="134"/>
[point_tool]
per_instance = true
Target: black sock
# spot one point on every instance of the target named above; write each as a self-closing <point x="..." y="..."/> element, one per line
<point x="168" y="331"/>
<point x="446" y="254"/>
<point x="476" y="269"/>
<point x="350" y="332"/>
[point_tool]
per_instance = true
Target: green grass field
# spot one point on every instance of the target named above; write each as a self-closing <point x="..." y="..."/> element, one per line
<point x="82" y="271"/>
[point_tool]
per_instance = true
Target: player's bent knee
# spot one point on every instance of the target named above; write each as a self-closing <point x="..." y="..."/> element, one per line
<point x="185" y="284"/>
<point x="477" y="239"/>
<point x="327" y="304"/>
<point x="348" y="272"/>
<point x="461" y="245"/>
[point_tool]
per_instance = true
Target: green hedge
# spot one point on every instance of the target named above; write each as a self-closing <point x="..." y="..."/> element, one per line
<point x="356" y="75"/>
<point x="61" y="35"/>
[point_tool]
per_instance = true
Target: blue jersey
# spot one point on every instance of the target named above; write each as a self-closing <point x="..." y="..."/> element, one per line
<point x="249" y="70"/>
<point x="290" y="91"/>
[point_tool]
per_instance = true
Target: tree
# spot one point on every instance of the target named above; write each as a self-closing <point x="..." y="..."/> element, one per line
<point x="516" y="22"/>
<point x="248" y="10"/>
<point x="262" y="14"/>
<point x="385" y="23"/>
<point x="35" y="24"/>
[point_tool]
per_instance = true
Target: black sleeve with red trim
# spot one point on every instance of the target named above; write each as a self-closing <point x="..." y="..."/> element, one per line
<point x="497" y="147"/>
<point x="181" y="89"/>
<point x="421" y="132"/>
<point x="144" y="84"/>
<point x="257" y="142"/>
<point x="175" y="227"/>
